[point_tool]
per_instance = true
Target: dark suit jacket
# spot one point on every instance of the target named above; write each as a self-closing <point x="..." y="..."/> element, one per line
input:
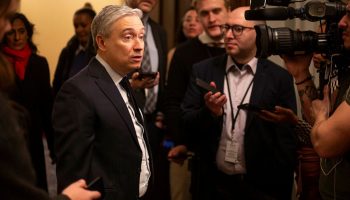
<point x="186" y="54"/>
<point x="160" y="40"/>
<point x="269" y="148"/>
<point x="65" y="61"/>
<point x="95" y="134"/>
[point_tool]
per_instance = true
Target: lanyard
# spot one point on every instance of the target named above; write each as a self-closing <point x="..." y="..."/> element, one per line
<point x="234" y="118"/>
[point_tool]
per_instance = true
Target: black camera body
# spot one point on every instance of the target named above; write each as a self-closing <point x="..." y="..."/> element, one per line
<point x="278" y="41"/>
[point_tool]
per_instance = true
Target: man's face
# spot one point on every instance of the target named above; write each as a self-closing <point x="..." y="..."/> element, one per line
<point x="82" y="27"/>
<point x="123" y="49"/>
<point x="241" y="42"/>
<point x="17" y="38"/>
<point x="5" y="16"/>
<point x="212" y="14"/>
<point x="145" y="5"/>
<point x="344" y="24"/>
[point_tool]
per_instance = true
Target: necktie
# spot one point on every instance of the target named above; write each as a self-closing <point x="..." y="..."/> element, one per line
<point x="126" y="85"/>
<point x="151" y="99"/>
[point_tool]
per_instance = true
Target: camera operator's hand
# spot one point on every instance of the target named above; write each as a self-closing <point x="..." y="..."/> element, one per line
<point x="214" y="102"/>
<point x="298" y="65"/>
<point x="320" y="108"/>
<point x="319" y="60"/>
<point x="147" y="82"/>
<point x="78" y="191"/>
<point x="279" y="115"/>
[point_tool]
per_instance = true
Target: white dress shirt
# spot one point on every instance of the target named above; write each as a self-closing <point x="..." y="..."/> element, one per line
<point x="145" y="167"/>
<point x="239" y="82"/>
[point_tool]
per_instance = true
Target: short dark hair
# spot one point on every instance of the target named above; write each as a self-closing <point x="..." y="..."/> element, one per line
<point x="180" y="36"/>
<point x="86" y="10"/>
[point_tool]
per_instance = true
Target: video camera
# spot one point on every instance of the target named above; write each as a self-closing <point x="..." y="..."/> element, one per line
<point x="277" y="41"/>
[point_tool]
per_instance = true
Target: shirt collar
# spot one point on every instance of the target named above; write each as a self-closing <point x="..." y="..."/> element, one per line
<point x="252" y="64"/>
<point x="79" y="49"/>
<point x="205" y="39"/>
<point x="114" y="75"/>
<point x="145" y="18"/>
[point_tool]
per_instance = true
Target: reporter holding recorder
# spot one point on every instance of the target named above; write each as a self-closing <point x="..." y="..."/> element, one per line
<point x="241" y="155"/>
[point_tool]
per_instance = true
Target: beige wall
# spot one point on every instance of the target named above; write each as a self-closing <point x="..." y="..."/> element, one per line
<point x="53" y="21"/>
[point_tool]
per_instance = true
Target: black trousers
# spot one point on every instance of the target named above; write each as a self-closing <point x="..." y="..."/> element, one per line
<point x="237" y="187"/>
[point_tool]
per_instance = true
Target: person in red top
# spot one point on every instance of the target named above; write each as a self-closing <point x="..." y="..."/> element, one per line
<point x="16" y="171"/>
<point x="32" y="89"/>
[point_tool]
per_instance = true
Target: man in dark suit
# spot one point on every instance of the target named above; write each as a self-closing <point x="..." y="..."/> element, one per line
<point x="149" y="90"/>
<point x="241" y="155"/>
<point x="149" y="93"/>
<point x="98" y="125"/>
<point x="154" y="61"/>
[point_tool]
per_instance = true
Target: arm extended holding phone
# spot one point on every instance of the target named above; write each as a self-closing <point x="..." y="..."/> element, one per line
<point x="255" y="108"/>
<point x="97" y="185"/>
<point x="142" y="80"/>
<point x="214" y="99"/>
<point x="247" y="106"/>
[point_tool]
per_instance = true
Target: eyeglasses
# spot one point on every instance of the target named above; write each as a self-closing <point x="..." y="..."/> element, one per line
<point x="237" y="30"/>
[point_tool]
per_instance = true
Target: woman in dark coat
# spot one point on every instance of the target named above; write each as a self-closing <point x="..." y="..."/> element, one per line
<point x="32" y="90"/>
<point x="79" y="50"/>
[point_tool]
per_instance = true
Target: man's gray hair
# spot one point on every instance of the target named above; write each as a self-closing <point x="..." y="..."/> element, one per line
<point x="101" y="25"/>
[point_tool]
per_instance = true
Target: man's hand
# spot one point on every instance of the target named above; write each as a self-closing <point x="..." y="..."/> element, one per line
<point x="214" y="102"/>
<point x="319" y="59"/>
<point x="279" y="115"/>
<point x="320" y="108"/>
<point x="78" y="191"/>
<point x="147" y="82"/>
<point x="178" y="154"/>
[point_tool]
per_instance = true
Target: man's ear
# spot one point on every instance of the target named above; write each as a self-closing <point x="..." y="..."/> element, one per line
<point x="100" y="43"/>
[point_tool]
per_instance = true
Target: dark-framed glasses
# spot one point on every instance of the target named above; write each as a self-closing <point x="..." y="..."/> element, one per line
<point x="237" y="30"/>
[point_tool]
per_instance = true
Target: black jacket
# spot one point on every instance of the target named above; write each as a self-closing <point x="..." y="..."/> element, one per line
<point x="66" y="59"/>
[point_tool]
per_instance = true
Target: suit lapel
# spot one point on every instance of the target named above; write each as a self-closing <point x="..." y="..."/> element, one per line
<point x="107" y="86"/>
<point x="220" y="72"/>
<point x="260" y="78"/>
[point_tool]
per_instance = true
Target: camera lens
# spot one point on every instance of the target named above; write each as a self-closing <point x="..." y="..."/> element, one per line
<point x="277" y="41"/>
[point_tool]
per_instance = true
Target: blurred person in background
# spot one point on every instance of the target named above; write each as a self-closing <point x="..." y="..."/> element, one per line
<point x="190" y="27"/>
<point x="211" y="14"/>
<point x="149" y="93"/>
<point x="32" y="90"/>
<point x="17" y="176"/>
<point x="79" y="50"/>
<point x="180" y="176"/>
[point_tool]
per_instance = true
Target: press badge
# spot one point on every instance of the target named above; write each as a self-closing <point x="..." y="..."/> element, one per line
<point x="231" y="154"/>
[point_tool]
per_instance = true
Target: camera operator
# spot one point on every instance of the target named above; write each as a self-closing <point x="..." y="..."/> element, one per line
<point x="330" y="135"/>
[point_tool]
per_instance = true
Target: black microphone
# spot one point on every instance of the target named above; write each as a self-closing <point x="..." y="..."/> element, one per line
<point x="281" y="13"/>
